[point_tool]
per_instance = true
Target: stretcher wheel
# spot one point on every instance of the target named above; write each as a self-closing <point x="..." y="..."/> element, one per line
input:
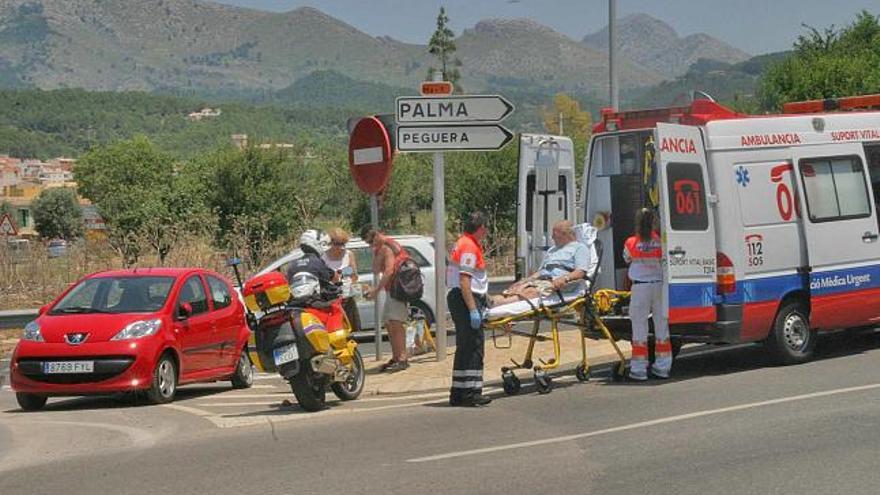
<point x="511" y="383"/>
<point x="616" y="374"/>
<point x="582" y="373"/>
<point x="543" y="383"/>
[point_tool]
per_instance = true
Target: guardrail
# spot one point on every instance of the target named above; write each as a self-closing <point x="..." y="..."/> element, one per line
<point x="18" y="318"/>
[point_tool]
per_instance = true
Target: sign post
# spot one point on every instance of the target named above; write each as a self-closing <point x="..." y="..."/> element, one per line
<point x="370" y="159"/>
<point x="442" y="122"/>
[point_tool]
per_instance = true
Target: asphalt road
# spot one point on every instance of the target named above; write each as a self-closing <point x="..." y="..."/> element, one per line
<point x="728" y="422"/>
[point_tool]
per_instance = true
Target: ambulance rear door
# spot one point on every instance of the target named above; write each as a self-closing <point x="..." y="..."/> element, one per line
<point x="687" y="225"/>
<point x="841" y="234"/>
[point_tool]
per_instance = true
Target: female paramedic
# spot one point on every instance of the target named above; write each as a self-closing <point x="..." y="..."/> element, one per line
<point x="643" y="252"/>
<point x="468" y="285"/>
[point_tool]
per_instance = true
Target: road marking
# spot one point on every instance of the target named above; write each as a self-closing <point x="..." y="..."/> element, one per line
<point x="187" y="409"/>
<point x="644" y="424"/>
<point x="236" y="404"/>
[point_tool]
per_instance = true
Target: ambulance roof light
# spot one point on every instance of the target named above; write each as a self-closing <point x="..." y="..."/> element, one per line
<point x="863" y="102"/>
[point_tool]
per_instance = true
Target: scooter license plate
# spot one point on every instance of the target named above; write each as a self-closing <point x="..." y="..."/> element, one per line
<point x="285" y="354"/>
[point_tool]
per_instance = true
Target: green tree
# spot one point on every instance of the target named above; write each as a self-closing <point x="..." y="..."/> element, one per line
<point x="485" y="182"/>
<point x="442" y="46"/>
<point x="57" y="214"/>
<point x="575" y="123"/>
<point x="6" y="209"/>
<point x="142" y="195"/>
<point x="827" y="64"/>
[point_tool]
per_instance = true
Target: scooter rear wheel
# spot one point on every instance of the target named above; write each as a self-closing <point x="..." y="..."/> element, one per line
<point x="310" y="391"/>
<point x="351" y="389"/>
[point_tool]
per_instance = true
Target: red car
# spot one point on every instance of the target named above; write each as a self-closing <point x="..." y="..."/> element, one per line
<point x="133" y="330"/>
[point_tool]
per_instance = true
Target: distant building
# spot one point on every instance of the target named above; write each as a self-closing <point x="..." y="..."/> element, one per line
<point x="205" y="113"/>
<point x="240" y="141"/>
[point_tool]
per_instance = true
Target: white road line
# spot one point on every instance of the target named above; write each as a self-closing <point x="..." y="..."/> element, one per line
<point x="237" y="404"/>
<point x="266" y="376"/>
<point x="190" y="410"/>
<point x="644" y="424"/>
<point x="281" y="395"/>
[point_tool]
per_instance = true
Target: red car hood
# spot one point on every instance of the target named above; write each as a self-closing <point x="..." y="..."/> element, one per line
<point x="99" y="327"/>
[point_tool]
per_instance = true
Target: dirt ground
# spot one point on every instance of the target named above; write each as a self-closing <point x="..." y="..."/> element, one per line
<point x="8" y="339"/>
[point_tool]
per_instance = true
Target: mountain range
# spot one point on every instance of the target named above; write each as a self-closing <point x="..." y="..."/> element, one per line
<point x="194" y="45"/>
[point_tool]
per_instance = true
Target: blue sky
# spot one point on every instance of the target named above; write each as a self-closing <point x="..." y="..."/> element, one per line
<point x="756" y="26"/>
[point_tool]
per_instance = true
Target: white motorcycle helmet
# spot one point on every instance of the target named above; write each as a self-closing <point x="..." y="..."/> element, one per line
<point x="315" y="239"/>
<point x="304" y="285"/>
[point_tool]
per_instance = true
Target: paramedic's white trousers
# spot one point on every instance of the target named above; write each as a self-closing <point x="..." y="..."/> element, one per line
<point x="647" y="298"/>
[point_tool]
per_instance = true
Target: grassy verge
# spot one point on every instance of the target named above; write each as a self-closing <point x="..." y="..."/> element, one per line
<point x="8" y="339"/>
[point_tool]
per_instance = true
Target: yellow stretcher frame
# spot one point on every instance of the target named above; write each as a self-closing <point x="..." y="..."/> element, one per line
<point x="586" y="317"/>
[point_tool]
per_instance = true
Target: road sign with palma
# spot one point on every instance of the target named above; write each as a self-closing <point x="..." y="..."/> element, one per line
<point x="452" y="123"/>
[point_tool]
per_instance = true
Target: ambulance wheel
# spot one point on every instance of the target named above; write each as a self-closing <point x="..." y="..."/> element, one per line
<point x="543" y="382"/>
<point x="792" y="340"/>
<point x="616" y="375"/>
<point x="511" y="383"/>
<point x="582" y="373"/>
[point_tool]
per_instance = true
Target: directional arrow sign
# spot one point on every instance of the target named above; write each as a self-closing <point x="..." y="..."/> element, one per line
<point x="452" y="138"/>
<point x="452" y="109"/>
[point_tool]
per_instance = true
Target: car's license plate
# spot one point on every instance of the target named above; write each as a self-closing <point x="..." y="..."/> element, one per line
<point x="285" y="354"/>
<point x="50" y="367"/>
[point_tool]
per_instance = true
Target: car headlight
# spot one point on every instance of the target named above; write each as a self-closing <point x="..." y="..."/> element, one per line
<point x="32" y="332"/>
<point x="138" y="329"/>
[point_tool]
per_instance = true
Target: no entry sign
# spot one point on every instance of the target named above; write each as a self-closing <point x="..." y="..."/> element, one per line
<point x="370" y="155"/>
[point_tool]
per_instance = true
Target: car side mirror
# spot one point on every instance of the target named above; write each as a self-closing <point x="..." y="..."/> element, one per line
<point x="43" y="309"/>
<point x="184" y="311"/>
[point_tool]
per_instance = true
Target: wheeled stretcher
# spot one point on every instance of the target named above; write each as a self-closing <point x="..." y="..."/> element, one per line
<point x="584" y="311"/>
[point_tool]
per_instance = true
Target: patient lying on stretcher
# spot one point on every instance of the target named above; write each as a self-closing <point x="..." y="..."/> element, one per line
<point x="564" y="269"/>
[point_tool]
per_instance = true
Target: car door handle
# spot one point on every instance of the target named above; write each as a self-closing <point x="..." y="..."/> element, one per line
<point x="869" y="237"/>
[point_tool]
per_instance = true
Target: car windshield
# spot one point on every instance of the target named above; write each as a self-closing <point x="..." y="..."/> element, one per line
<point x="116" y="295"/>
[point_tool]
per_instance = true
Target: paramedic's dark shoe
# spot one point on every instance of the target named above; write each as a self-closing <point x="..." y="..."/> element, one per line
<point x="476" y="401"/>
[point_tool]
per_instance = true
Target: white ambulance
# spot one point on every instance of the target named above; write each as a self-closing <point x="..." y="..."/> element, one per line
<point x="769" y="222"/>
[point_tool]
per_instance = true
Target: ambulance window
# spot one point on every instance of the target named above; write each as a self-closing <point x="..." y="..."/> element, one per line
<point x="687" y="197"/>
<point x="835" y="188"/>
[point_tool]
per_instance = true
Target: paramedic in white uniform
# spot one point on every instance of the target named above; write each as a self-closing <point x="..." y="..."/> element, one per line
<point x="643" y="252"/>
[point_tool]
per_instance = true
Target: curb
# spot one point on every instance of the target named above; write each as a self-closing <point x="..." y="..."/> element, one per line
<point x="598" y="363"/>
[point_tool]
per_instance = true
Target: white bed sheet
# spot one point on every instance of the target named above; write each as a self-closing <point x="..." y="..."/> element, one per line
<point x="522" y="307"/>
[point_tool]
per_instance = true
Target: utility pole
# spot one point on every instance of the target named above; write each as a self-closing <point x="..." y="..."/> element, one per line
<point x="612" y="54"/>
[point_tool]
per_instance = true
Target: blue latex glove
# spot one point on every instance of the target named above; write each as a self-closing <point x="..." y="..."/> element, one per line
<point x="476" y="319"/>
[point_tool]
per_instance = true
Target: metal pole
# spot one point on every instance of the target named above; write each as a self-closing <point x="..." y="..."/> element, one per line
<point x="612" y="54"/>
<point x="377" y="316"/>
<point x="439" y="257"/>
<point x="439" y="250"/>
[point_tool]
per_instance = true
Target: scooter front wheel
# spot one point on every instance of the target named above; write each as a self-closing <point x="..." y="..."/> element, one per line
<point x="310" y="391"/>
<point x="351" y="389"/>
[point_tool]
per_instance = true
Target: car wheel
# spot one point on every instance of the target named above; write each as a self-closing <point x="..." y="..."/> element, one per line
<point x="164" y="383"/>
<point x="244" y="371"/>
<point x="31" y="402"/>
<point x="792" y="340"/>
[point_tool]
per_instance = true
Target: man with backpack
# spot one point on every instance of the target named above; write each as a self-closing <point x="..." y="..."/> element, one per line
<point x="402" y="283"/>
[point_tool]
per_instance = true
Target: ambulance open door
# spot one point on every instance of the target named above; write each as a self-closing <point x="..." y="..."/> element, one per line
<point x="686" y="224"/>
<point x="841" y="234"/>
<point x="545" y="195"/>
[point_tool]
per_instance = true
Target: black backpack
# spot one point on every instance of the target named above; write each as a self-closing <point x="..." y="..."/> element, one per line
<point x="407" y="284"/>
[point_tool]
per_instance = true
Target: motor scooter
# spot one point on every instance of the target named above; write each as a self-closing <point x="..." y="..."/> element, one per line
<point x="309" y="346"/>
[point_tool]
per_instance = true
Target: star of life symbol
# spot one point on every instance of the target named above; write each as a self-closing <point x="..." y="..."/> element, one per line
<point x="742" y="176"/>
